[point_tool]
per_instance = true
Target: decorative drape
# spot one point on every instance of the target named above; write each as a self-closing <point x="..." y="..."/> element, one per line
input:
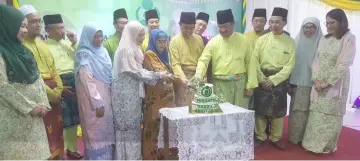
<point x="353" y="5"/>
<point x="243" y="19"/>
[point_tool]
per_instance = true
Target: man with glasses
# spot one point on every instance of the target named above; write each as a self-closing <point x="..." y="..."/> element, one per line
<point x="234" y="77"/>
<point x="112" y="43"/>
<point x="54" y="86"/>
<point x="274" y="55"/>
<point x="185" y="49"/>
<point x="63" y="52"/>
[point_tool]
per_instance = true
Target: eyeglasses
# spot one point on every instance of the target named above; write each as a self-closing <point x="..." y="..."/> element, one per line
<point x="40" y="21"/>
<point x="308" y="28"/>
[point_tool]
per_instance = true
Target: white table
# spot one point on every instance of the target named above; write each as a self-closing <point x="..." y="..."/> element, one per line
<point x="226" y="136"/>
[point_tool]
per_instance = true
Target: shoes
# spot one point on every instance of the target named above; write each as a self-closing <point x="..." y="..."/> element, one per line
<point x="258" y="143"/>
<point x="278" y="145"/>
<point x="74" y="155"/>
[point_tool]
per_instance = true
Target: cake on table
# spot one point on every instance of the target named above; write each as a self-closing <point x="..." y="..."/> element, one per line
<point x="205" y="101"/>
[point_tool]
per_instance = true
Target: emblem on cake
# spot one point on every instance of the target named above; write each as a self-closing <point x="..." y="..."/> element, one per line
<point x="205" y="101"/>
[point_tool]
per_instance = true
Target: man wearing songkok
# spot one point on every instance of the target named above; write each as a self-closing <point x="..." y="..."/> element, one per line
<point x="185" y="50"/>
<point x="274" y="55"/>
<point x="54" y="86"/>
<point x="63" y="52"/>
<point x="233" y="75"/>
<point x="258" y="23"/>
<point x="152" y="22"/>
<point x="120" y="20"/>
<point x="202" y="20"/>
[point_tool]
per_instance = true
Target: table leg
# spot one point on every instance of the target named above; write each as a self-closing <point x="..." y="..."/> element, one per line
<point x="166" y="138"/>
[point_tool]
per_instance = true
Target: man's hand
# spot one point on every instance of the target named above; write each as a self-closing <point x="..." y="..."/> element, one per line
<point x="51" y="83"/>
<point x="249" y="92"/>
<point x="67" y="92"/>
<point x="185" y="82"/>
<point x="72" y="37"/>
<point x="100" y="112"/>
<point x="267" y="84"/>
<point x="56" y="100"/>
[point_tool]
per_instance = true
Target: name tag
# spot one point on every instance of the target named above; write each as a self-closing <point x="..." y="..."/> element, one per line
<point x="285" y="52"/>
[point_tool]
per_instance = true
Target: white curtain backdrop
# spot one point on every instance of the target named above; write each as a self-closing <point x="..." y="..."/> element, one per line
<point x="298" y="11"/>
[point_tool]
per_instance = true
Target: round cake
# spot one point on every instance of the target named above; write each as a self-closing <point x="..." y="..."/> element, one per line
<point x="205" y="101"/>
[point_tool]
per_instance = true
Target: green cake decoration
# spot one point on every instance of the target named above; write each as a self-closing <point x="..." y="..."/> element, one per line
<point x="205" y="101"/>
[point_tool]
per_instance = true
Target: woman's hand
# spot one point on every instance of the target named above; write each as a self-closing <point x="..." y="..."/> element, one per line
<point x="324" y="85"/>
<point x="100" y="112"/>
<point x="39" y="111"/>
<point x="165" y="76"/>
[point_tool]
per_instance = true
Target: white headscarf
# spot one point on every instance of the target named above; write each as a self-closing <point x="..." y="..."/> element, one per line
<point x="305" y="51"/>
<point x="128" y="56"/>
<point x="27" y="9"/>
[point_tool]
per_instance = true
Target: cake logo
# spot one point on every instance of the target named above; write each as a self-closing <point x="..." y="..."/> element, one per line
<point x="206" y="91"/>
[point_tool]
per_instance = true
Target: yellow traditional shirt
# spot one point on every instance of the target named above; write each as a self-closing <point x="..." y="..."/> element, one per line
<point x="46" y="65"/>
<point x="275" y="52"/>
<point x="111" y="45"/>
<point x="252" y="36"/>
<point x="230" y="56"/>
<point x="63" y="53"/>
<point x="184" y="52"/>
<point x="145" y="43"/>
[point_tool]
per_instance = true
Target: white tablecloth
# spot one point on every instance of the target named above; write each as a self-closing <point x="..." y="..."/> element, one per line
<point x="226" y="136"/>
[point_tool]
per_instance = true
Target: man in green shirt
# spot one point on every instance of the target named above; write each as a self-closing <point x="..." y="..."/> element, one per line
<point x="112" y="43"/>
<point x="234" y="76"/>
<point x="274" y="55"/>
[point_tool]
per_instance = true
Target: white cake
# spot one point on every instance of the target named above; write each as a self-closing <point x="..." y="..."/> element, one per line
<point x="205" y="101"/>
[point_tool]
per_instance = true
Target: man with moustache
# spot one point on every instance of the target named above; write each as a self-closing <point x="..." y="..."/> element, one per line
<point x="54" y="86"/>
<point x="234" y="76"/>
<point x="120" y="20"/>
<point x="274" y="55"/>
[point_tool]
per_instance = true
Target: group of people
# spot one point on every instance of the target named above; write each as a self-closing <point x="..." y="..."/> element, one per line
<point x="115" y="88"/>
<point x="313" y="69"/>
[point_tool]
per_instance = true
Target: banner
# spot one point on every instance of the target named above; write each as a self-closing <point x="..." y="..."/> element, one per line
<point x="353" y="5"/>
<point x="76" y="13"/>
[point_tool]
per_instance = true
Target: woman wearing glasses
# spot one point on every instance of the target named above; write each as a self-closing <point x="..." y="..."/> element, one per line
<point x="331" y="78"/>
<point x="300" y="79"/>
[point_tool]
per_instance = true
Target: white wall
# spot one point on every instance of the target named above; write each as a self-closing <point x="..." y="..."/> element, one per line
<point x="298" y="11"/>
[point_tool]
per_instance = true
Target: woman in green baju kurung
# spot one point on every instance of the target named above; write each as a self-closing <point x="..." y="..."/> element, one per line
<point x="23" y="99"/>
<point x="331" y="77"/>
<point x="300" y="79"/>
